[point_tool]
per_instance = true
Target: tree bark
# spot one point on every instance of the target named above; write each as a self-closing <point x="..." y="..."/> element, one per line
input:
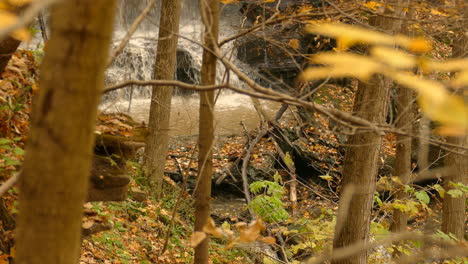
<point x="160" y="109"/>
<point x="454" y="208"/>
<point x="210" y="17"/>
<point x="403" y="152"/>
<point x="361" y="162"/>
<point x="55" y="176"/>
<point x="404" y="122"/>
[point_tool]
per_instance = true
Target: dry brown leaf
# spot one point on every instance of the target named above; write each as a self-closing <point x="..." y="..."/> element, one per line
<point x="250" y="233"/>
<point x="87" y="224"/>
<point x="268" y="240"/>
<point x="210" y="228"/>
<point x="197" y="238"/>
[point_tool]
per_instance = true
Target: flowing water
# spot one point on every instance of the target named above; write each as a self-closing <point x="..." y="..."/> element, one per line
<point x="137" y="62"/>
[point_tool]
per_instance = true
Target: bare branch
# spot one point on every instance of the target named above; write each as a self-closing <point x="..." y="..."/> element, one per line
<point x="9" y="183"/>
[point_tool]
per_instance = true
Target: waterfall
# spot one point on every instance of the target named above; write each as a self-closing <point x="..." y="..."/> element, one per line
<point x="137" y="59"/>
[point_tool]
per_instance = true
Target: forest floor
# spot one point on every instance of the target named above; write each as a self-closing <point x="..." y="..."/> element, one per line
<point x="141" y="229"/>
<point x="159" y="231"/>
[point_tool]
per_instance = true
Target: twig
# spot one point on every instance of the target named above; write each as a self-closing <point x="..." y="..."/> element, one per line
<point x="179" y="199"/>
<point x="9" y="183"/>
<point x="43" y="27"/>
<point x="292" y="172"/>
<point x="245" y="162"/>
<point x="130" y="32"/>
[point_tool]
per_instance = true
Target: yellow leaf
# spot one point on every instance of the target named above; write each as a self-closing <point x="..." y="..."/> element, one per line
<point x="347" y="35"/>
<point x="344" y="43"/>
<point x="316" y="73"/>
<point x="434" y="91"/>
<point x="438" y="13"/>
<point x="7" y="19"/>
<point x="372" y="5"/>
<point x="196" y="238"/>
<point x="419" y="45"/>
<point x="294" y="43"/>
<point x="326" y="177"/>
<point x="450" y="131"/>
<point x="435" y="101"/>
<point x="342" y="65"/>
<point x="351" y="33"/>
<point x="461" y="79"/>
<point x="393" y="57"/>
<point x="448" y="65"/>
<point x="452" y="112"/>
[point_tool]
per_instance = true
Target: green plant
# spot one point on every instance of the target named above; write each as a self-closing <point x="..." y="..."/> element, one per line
<point x="268" y="205"/>
<point x="11" y="153"/>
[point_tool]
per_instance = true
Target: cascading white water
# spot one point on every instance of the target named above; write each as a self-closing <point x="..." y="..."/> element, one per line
<point x="137" y="60"/>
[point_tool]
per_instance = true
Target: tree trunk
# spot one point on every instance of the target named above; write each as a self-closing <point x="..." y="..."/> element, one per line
<point x="58" y="155"/>
<point x="454" y="208"/>
<point x="210" y="17"/>
<point x="403" y="152"/>
<point x="160" y="109"/>
<point x="404" y="122"/>
<point x="361" y="162"/>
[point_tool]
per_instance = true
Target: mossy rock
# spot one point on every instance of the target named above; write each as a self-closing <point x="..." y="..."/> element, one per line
<point x="110" y="145"/>
<point x="108" y="180"/>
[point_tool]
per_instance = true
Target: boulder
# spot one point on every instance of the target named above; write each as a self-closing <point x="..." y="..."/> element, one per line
<point x="108" y="181"/>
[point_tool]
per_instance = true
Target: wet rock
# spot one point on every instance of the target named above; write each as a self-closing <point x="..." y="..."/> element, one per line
<point x="277" y="52"/>
<point x="186" y="71"/>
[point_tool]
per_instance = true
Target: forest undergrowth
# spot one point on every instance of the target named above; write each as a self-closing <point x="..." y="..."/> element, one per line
<point x="140" y="228"/>
<point x="159" y="231"/>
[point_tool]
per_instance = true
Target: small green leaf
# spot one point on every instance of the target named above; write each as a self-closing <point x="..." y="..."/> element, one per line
<point x="378" y="200"/>
<point x="19" y="151"/>
<point x="440" y="190"/>
<point x="4" y="141"/>
<point x="288" y="160"/>
<point x="277" y="178"/>
<point x="10" y="162"/>
<point x="455" y="193"/>
<point x="408" y="189"/>
<point x="423" y="197"/>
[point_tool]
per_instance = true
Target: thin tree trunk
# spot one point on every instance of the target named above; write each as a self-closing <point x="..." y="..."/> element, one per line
<point x="404" y="122"/>
<point x="403" y="152"/>
<point x="160" y="109"/>
<point x="361" y="162"/>
<point x="210" y="17"/>
<point x="58" y="155"/>
<point x="454" y="208"/>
